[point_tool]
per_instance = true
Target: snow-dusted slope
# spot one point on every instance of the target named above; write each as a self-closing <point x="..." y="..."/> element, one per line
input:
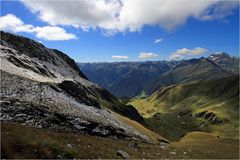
<point x="44" y="88"/>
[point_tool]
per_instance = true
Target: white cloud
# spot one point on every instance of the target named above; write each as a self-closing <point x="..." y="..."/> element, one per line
<point x="83" y="13"/>
<point x="53" y="33"/>
<point x="147" y="55"/>
<point x="158" y="40"/>
<point x="220" y="10"/>
<point x="12" y="23"/>
<point x="181" y="53"/>
<point x="119" y="57"/>
<point x="176" y="57"/>
<point x="128" y="15"/>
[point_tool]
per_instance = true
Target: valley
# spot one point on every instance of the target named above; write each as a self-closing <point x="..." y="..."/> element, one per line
<point x="211" y="106"/>
<point x="188" y="97"/>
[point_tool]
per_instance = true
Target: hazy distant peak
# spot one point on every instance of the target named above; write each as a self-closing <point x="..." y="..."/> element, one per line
<point x="219" y="55"/>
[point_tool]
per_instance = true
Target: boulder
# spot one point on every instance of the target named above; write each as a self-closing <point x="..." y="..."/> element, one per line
<point x="133" y="145"/>
<point x="123" y="154"/>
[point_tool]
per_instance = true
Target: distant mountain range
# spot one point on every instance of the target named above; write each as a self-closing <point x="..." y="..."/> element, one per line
<point x="129" y="79"/>
<point x="201" y="69"/>
<point x="124" y="79"/>
<point x="44" y="88"/>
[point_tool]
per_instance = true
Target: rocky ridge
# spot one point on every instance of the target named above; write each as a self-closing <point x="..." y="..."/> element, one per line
<point x="44" y="88"/>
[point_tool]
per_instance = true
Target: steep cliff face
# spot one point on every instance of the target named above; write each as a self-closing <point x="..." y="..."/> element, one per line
<point x="43" y="87"/>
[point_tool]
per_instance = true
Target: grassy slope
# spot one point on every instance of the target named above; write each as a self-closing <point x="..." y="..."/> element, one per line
<point x="200" y="145"/>
<point x="25" y="142"/>
<point x="169" y="110"/>
<point x="153" y="137"/>
<point x="19" y="142"/>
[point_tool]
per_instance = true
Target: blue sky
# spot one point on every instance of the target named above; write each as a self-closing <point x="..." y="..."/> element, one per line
<point x="193" y="37"/>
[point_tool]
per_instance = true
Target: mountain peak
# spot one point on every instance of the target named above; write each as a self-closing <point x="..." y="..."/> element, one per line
<point x="226" y="61"/>
<point x="219" y="55"/>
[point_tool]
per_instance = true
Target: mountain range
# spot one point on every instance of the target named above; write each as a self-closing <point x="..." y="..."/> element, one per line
<point x="130" y="79"/>
<point x="122" y="78"/>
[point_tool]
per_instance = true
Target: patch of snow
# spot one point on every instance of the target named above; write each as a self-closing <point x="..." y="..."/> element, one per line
<point x="218" y="53"/>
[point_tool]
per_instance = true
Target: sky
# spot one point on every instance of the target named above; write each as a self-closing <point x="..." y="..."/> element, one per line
<point x="127" y="30"/>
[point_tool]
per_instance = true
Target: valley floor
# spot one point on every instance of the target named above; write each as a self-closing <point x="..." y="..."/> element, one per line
<point x="18" y="141"/>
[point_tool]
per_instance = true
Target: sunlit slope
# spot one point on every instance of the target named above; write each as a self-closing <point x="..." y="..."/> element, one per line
<point x="206" y="106"/>
<point x="201" y="145"/>
<point x="64" y="145"/>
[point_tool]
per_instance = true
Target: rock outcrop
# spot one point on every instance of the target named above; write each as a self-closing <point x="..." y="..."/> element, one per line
<point x="210" y="117"/>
